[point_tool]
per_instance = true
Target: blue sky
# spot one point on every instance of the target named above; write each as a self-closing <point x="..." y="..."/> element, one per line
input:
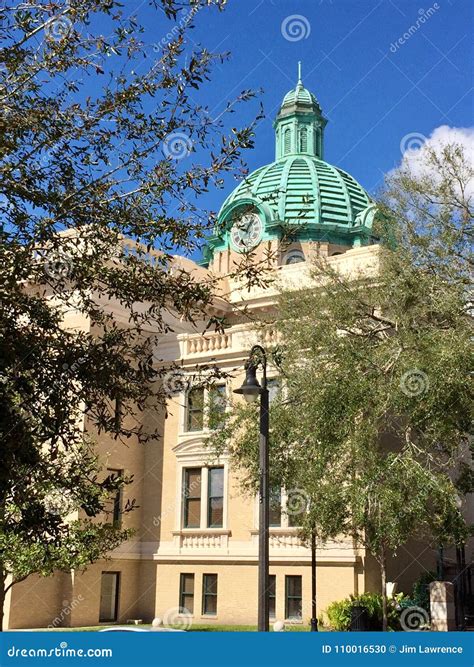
<point x="372" y="92"/>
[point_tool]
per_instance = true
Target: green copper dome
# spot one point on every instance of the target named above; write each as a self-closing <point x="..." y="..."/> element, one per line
<point x="299" y="95"/>
<point x="299" y="189"/>
<point x="302" y="188"/>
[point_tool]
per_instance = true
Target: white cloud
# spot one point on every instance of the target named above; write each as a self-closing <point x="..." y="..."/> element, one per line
<point x="414" y="148"/>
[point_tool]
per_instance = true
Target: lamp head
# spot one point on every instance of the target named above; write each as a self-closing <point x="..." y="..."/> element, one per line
<point x="250" y="388"/>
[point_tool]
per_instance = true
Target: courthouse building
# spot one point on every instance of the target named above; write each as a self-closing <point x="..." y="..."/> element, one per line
<point x="196" y="540"/>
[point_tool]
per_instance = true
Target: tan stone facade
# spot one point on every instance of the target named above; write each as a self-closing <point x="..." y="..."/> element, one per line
<point x="145" y="575"/>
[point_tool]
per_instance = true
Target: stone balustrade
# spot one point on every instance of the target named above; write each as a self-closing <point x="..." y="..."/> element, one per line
<point x="192" y="541"/>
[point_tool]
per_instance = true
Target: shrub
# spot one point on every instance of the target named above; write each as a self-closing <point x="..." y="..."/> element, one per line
<point x="421" y="590"/>
<point x="339" y="613"/>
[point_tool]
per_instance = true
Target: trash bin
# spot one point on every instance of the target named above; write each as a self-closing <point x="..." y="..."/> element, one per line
<point x="359" y="618"/>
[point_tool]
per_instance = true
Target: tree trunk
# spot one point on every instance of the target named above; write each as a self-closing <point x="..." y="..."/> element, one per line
<point x="383" y="572"/>
<point x="2" y="595"/>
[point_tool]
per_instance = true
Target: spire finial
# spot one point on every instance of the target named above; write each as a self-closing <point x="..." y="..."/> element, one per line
<point x="299" y="73"/>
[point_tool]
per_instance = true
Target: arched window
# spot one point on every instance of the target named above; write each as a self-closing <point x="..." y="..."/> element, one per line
<point x="287" y="144"/>
<point x="294" y="256"/>
<point x="303" y="140"/>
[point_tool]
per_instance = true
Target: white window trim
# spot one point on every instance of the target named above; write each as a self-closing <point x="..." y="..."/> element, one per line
<point x="194" y="455"/>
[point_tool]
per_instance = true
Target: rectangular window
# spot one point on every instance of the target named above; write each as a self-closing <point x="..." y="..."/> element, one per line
<point x="293" y="597"/>
<point x="192" y="497"/>
<point x="109" y="596"/>
<point x="186" y="593"/>
<point x="215" y="498"/>
<point x="272" y="595"/>
<point x="195" y="410"/>
<point x="113" y="507"/>
<point x="218" y="403"/>
<point x="209" y="594"/>
<point x="275" y="508"/>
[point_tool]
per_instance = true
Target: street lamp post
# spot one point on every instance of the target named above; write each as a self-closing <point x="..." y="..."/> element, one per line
<point x="251" y="390"/>
<point x="314" y="619"/>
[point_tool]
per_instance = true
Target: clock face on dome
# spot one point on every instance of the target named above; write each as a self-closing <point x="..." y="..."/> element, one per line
<point x="246" y="231"/>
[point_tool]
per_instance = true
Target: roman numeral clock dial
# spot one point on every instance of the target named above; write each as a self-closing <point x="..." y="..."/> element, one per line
<point x="246" y="232"/>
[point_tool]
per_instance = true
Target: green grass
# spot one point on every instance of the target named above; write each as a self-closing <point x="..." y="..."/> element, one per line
<point x="193" y="628"/>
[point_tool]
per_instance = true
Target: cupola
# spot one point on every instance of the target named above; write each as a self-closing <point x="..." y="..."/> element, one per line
<point x="299" y="125"/>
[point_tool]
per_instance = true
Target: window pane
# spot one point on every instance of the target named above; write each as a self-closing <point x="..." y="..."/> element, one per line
<point x="215" y="498"/>
<point x="272" y="595"/>
<point x="192" y="518"/>
<point x="187" y="603"/>
<point x="209" y="602"/>
<point x="210" y="583"/>
<point x="275" y="507"/>
<point x="293" y="595"/>
<point x="210" y="605"/>
<point x="294" y="608"/>
<point x="192" y="498"/>
<point x="216" y="512"/>
<point x="186" y="598"/>
<point x="188" y="583"/>
<point x="218" y="396"/>
<point x="109" y="596"/>
<point x="195" y="411"/>
<point x="193" y="483"/>
<point x="294" y="586"/>
<point x="216" y="482"/>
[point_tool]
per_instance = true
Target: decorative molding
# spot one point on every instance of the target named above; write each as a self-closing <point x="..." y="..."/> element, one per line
<point x="192" y="540"/>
